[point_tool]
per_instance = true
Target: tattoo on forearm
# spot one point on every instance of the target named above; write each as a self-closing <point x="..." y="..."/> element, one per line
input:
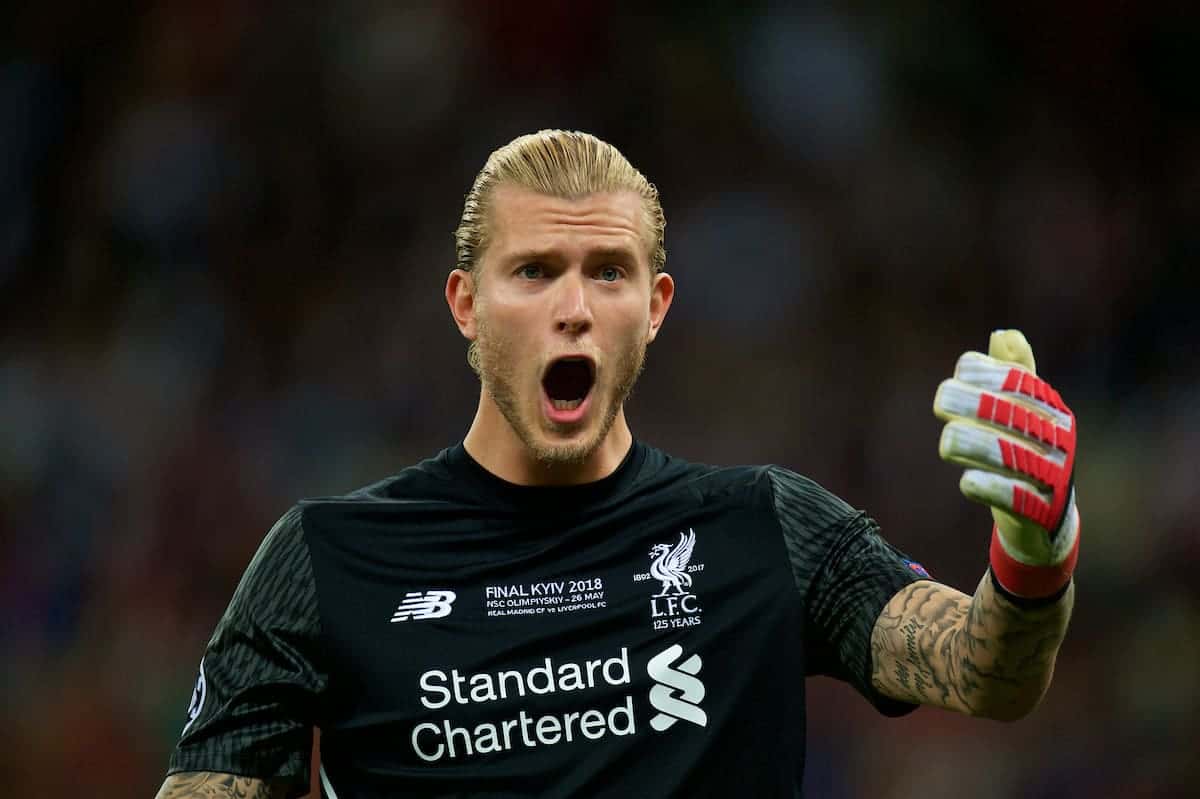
<point x="979" y="655"/>
<point x="213" y="785"/>
<point x="911" y="629"/>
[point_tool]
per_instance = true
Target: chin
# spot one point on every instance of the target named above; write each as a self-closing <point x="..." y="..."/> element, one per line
<point x="553" y="450"/>
<point x="564" y="447"/>
<point x="563" y="454"/>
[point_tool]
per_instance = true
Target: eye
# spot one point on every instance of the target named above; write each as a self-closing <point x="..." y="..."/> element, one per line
<point x="530" y="271"/>
<point x="610" y="274"/>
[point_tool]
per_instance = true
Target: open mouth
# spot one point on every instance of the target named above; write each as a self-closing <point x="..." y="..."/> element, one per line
<point x="567" y="383"/>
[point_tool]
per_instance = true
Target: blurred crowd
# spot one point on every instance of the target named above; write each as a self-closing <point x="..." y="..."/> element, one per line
<point x="225" y="226"/>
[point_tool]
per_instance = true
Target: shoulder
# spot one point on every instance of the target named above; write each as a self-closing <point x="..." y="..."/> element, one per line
<point x="796" y="496"/>
<point x="429" y="481"/>
<point x="431" y="478"/>
<point x="764" y="485"/>
<point x="426" y="496"/>
<point x="706" y="481"/>
<point x="283" y="546"/>
<point x="799" y="504"/>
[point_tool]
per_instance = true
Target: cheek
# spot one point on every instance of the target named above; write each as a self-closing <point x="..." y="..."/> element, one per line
<point x="501" y="337"/>
<point x="634" y="324"/>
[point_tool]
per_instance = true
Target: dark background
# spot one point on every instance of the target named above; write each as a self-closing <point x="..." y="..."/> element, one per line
<point x="225" y="226"/>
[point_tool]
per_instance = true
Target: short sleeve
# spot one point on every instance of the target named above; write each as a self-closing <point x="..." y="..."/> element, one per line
<point x="255" y="701"/>
<point x="846" y="573"/>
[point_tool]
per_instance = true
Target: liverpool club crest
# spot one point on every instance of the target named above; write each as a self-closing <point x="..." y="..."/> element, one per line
<point x="675" y="605"/>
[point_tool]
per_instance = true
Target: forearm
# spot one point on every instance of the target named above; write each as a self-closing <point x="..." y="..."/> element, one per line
<point x="215" y="785"/>
<point x="980" y="655"/>
<point x="1011" y="650"/>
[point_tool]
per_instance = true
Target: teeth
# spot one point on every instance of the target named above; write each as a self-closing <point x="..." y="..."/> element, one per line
<point x="566" y="405"/>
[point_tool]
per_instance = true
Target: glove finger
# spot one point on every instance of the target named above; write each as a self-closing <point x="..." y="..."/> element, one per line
<point x="959" y="398"/>
<point x="1011" y="346"/>
<point x="977" y="447"/>
<point x="1032" y="422"/>
<point x="1011" y="382"/>
<point x="1018" y="497"/>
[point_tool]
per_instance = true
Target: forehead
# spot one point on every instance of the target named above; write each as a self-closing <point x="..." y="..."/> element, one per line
<point x="523" y="219"/>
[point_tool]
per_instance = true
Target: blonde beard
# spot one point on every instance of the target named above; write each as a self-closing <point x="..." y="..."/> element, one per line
<point x="490" y="355"/>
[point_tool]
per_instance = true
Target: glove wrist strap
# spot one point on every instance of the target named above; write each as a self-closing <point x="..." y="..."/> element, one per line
<point x="1022" y="602"/>
<point x="1026" y="581"/>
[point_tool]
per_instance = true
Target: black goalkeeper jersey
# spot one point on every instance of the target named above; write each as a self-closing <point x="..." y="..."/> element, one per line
<point x="452" y="634"/>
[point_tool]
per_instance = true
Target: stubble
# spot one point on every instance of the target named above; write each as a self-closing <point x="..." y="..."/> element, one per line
<point x="495" y="360"/>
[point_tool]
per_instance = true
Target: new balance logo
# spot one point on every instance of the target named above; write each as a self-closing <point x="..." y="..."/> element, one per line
<point x="678" y="692"/>
<point x="424" y="605"/>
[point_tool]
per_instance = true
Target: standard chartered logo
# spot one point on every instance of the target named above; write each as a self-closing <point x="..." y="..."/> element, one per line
<point x="436" y="740"/>
<point x="677" y="693"/>
<point x="595" y="712"/>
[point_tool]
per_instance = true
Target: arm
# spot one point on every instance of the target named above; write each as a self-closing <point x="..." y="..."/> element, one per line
<point x="981" y="655"/>
<point x="249" y="725"/>
<point x="214" y="785"/>
<point x="993" y="654"/>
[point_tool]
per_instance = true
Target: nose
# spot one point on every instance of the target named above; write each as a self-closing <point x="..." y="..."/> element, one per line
<point x="572" y="313"/>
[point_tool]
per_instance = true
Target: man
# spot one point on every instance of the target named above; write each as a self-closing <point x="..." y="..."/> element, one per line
<point x="553" y="608"/>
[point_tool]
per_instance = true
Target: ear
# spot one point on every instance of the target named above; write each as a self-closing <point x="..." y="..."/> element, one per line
<point x="460" y="296"/>
<point x="661" y="294"/>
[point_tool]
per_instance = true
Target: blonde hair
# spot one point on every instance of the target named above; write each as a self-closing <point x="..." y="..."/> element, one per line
<point x="559" y="163"/>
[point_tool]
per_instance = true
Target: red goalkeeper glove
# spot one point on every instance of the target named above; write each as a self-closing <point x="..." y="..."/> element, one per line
<point x="1017" y="439"/>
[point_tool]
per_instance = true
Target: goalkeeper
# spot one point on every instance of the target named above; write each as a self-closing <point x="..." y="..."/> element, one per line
<point x="553" y="606"/>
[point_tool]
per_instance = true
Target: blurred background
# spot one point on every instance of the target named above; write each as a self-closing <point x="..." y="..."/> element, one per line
<point x="225" y="227"/>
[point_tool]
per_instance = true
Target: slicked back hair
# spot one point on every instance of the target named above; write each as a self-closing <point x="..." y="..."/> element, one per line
<point x="558" y="163"/>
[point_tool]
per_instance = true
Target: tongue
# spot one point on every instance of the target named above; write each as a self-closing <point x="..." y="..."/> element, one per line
<point x="568" y="380"/>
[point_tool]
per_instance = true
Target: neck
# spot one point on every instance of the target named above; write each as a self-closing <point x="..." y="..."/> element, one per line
<point x="495" y="446"/>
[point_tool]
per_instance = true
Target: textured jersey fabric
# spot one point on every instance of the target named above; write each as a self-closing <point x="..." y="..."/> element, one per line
<point x="261" y="677"/>
<point x="453" y="634"/>
<point x="836" y="555"/>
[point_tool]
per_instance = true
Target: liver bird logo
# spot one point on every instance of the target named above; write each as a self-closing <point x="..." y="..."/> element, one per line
<point x="669" y="564"/>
